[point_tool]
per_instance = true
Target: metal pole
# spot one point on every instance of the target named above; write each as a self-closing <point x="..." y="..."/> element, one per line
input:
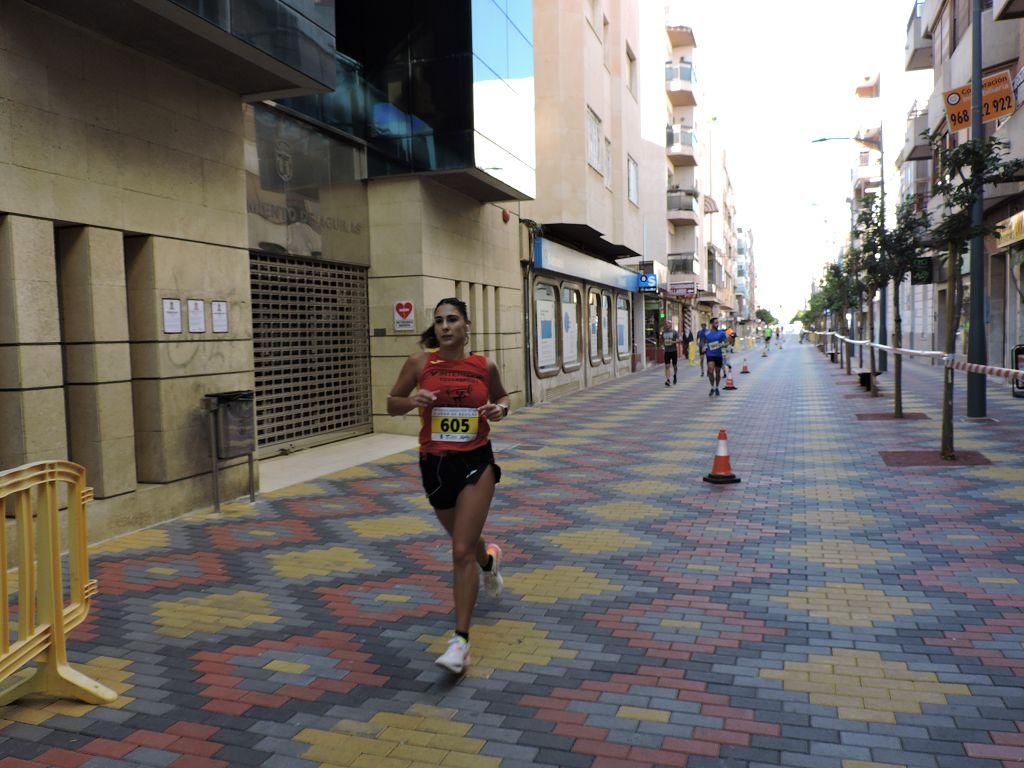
<point x="976" y="352"/>
<point x="883" y="331"/>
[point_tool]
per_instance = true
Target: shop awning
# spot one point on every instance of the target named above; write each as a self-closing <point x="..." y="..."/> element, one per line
<point x="585" y="238"/>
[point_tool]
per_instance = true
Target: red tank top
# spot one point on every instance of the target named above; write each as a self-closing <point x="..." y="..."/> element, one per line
<point x="452" y="422"/>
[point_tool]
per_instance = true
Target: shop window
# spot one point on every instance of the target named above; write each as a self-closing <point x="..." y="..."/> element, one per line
<point x="608" y="335"/>
<point x="546" y="345"/>
<point x="622" y="323"/>
<point x="594" y="321"/>
<point x="570" y="327"/>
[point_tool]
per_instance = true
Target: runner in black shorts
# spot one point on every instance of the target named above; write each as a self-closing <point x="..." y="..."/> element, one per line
<point x="670" y="338"/>
<point x="458" y="394"/>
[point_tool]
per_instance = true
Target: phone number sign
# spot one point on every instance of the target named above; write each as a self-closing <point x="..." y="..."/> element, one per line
<point x="996" y="101"/>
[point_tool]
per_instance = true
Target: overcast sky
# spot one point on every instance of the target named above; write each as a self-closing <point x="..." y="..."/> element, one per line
<point x="777" y="75"/>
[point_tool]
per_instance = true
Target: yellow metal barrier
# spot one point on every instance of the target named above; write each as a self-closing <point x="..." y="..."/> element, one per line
<point x="43" y="618"/>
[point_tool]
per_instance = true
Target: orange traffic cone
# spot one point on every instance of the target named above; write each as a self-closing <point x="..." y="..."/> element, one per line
<point x="744" y="369"/>
<point x="721" y="471"/>
<point x="729" y="382"/>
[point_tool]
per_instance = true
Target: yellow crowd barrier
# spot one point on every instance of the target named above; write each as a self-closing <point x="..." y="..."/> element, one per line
<point x="43" y="618"/>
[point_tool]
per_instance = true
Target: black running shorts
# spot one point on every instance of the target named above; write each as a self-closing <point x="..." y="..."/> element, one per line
<point x="671" y="356"/>
<point x="446" y="474"/>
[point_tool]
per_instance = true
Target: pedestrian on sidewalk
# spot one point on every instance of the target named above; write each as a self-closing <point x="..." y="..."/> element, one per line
<point x="687" y="341"/>
<point x="670" y="339"/>
<point x="716" y="342"/>
<point x="702" y="336"/>
<point x="458" y="393"/>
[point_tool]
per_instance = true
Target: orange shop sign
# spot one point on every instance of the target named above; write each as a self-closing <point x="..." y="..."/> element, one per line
<point x="996" y="101"/>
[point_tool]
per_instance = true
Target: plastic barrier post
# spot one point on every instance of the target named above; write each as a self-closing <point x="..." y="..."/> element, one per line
<point x="43" y="619"/>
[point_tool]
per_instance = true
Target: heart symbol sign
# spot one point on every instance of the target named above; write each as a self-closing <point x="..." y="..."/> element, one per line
<point x="404" y="309"/>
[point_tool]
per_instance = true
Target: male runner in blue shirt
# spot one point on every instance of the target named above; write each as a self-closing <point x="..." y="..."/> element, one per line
<point x="715" y="342"/>
<point x="702" y="336"/>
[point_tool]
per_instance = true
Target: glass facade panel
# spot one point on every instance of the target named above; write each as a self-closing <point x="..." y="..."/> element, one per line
<point x="547" y="324"/>
<point x="445" y="85"/>
<point x="570" y="328"/>
<point x="299" y="33"/>
<point x="304" y="190"/>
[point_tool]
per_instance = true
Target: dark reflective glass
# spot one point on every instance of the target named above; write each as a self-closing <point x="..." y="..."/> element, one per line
<point x="490" y="35"/>
<point x="440" y="28"/>
<point x="282" y="32"/>
<point x="520" y="12"/>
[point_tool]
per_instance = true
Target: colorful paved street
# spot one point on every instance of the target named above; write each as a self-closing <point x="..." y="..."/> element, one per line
<point x="830" y="611"/>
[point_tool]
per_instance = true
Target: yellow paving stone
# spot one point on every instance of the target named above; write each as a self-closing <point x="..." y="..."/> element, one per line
<point x="430" y="713"/>
<point x="866" y="764"/>
<point x="520" y="465"/>
<point x="280" y="665"/>
<point x="391" y="526"/>
<point x="460" y="760"/>
<point x="393" y="598"/>
<point x="506" y="645"/>
<point x="563" y="582"/>
<point x="833" y="519"/>
<point x="398" y="720"/>
<point x="595" y="541"/>
<point x="643" y="713"/>
<point x="299" y="489"/>
<point x="374" y="761"/>
<point x="162" y="571"/>
<point x="239" y="610"/>
<point x="698" y="567"/>
<point x="406" y="736"/>
<point x="678" y="624"/>
<point x="850" y="605"/>
<point x="841" y="553"/>
<point x="996" y="580"/>
<point x="360" y="472"/>
<point x="149" y="538"/>
<point x="624" y="511"/>
<point x="455" y="743"/>
<point x="423" y="754"/>
<point x="855" y="674"/>
<point x="445" y="727"/>
<point x="358" y="727"/>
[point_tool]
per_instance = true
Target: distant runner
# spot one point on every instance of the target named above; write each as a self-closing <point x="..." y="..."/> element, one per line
<point x="716" y="343"/>
<point x="670" y="338"/>
<point x="702" y="336"/>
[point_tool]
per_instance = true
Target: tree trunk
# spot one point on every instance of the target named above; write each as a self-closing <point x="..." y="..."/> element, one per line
<point x="846" y="333"/>
<point x="898" y="361"/>
<point x="871" y="335"/>
<point x="952" y="320"/>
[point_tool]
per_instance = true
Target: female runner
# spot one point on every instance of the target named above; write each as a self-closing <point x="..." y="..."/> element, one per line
<point x="458" y="394"/>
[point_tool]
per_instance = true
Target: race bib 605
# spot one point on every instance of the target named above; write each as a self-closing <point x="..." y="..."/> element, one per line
<point x="454" y="425"/>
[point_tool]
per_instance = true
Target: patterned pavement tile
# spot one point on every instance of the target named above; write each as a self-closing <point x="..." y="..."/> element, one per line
<point x="828" y="612"/>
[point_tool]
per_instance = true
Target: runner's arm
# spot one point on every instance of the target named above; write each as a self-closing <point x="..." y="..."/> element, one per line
<point x="497" y="409"/>
<point x="399" y="401"/>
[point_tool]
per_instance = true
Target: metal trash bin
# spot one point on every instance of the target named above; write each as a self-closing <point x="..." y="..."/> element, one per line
<point x="1017" y="355"/>
<point x="232" y="427"/>
<point x="236" y="431"/>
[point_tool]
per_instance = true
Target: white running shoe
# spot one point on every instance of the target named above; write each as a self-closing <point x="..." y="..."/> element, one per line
<point x="456" y="658"/>
<point x="493" y="582"/>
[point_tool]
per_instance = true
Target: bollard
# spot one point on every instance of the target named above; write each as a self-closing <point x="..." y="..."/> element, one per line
<point x="43" y="618"/>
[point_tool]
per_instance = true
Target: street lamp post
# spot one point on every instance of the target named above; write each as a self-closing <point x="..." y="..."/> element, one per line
<point x="883" y="298"/>
<point x="976" y="342"/>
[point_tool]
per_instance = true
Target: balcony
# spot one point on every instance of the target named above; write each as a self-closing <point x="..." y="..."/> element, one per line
<point x="681" y="144"/>
<point x="254" y="48"/>
<point x="679" y="83"/>
<point x="681" y="37"/>
<point x="916" y="147"/>
<point x="919" y="47"/>
<point x="1008" y="9"/>
<point x="683" y="209"/>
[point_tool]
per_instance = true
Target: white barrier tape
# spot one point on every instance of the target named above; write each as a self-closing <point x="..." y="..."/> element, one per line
<point x="988" y="370"/>
<point x="949" y="361"/>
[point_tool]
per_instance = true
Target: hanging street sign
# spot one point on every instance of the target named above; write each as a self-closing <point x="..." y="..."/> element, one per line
<point x="996" y="101"/>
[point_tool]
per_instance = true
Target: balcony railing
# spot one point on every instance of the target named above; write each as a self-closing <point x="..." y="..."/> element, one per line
<point x="681" y="264"/>
<point x="918" y="48"/>
<point x="679" y="136"/>
<point x="681" y="71"/>
<point x="682" y="201"/>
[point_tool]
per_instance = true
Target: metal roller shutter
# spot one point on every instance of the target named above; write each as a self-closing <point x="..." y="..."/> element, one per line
<point x="311" y="350"/>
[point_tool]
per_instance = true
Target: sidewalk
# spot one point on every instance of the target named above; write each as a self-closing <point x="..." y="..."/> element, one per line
<point x="829" y="611"/>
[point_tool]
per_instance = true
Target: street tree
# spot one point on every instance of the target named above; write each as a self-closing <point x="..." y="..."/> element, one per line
<point x="765" y="317"/>
<point x="869" y="232"/>
<point x="961" y="175"/>
<point x="903" y="246"/>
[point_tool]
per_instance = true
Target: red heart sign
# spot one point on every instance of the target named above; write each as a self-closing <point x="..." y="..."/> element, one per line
<point x="404" y="309"/>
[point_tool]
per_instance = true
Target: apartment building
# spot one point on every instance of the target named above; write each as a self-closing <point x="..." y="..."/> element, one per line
<point x="746" y="276"/>
<point x="939" y="38"/>
<point x="203" y="197"/>
<point x="599" y="189"/>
